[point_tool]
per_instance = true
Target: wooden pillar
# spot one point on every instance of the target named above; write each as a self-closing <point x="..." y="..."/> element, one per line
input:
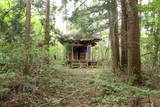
<point x="91" y="56"/>
<point x="87" y="54"/>
<point x="87" y="57"/>
<point x="72" y="54"/>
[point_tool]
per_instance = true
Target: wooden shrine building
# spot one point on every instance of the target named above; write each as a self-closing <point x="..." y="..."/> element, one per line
<point x="78" y="48"/>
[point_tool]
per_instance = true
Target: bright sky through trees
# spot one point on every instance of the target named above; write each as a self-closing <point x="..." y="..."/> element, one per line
<point x="61" y="23"/>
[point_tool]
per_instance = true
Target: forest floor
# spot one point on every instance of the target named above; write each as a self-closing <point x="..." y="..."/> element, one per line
<point x="99" y="87"/>
<point x="59" y="86"/>
<point x="83" y="89"/>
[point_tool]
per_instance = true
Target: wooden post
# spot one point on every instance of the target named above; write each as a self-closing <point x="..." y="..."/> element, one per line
<point x="91" y="57"/>
<point x="72" y="53"/>
<point x="87" y="56"/>
<point x="87" y="53"/>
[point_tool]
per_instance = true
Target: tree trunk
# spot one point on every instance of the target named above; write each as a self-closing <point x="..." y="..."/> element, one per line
<point x="156" y="50"/>
<point x="27" y="39"/>
<point x="124" y="56"/>
<point x="134" y="60"/>
<point x="47" y="31"/>
<point x="113" y="27"/>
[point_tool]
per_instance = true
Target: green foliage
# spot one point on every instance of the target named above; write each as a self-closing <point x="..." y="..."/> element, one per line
<point x="89" y="18"/>
<point x="114" y="91"/>
<point x="153" y="6"/>
<point x="11" y="20"/>
<point x="52" y="101"/>
<point x="150" y="43"/>
<point x="11" y="55"/>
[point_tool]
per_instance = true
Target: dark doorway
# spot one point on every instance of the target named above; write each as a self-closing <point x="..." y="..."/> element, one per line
<point x="80" y="52"/>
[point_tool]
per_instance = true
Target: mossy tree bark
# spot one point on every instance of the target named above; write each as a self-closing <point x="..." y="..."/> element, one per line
<point x="47" y="31"/>
<point x="27" y="38"/>
<point x="124" y="53"/>
<point x="113" y="28"/>
<point x="134" y="60"/>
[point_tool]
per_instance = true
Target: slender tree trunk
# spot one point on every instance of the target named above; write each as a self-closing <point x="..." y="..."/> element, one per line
<point x="113" y="23"/>
<point x="124" y="56"/>
<point x="156" y="50"/>
<point x="134" y="60"/>
<point x="27" y="39"/>
<point x="47" y="30"/>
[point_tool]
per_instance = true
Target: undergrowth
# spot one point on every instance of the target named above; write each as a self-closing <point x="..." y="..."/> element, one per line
<point x="36" y="89"/>
<point x="114" y="90"/>
<point x="51" y="86"/>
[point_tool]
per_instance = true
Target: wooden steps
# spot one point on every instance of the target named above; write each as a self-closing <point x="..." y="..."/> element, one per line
<point x="79" y="64"/>
<point x="83" y="64"/>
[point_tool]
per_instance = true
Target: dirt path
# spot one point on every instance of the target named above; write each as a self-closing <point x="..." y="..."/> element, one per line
<point x="82" y="90"/>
